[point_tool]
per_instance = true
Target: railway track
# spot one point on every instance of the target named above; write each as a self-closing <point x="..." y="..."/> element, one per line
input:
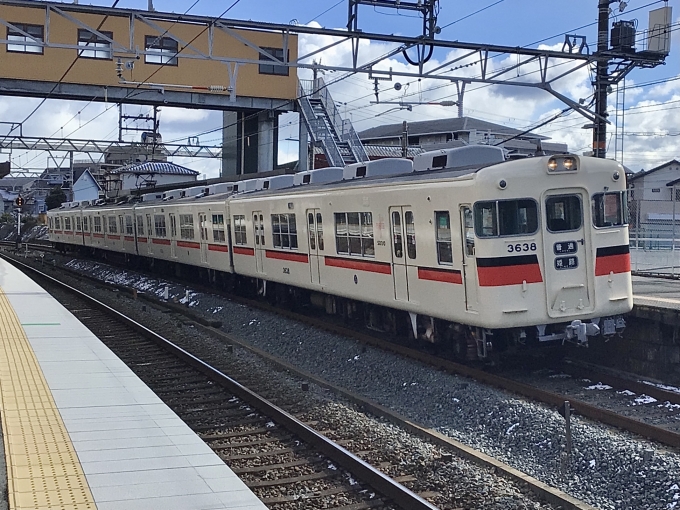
<point x="283" y="460"/>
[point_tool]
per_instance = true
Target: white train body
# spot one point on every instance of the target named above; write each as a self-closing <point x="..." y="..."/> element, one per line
<point x="536" y="242"/>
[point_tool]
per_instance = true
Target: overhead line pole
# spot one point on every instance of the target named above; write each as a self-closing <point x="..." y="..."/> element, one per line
<point x="601" y="81"/>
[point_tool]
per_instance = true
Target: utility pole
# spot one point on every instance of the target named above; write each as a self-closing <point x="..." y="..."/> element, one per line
<point x="601" y="81"/>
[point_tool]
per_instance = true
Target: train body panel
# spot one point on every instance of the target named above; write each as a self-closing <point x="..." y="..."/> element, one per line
<point x="535" y="242"/>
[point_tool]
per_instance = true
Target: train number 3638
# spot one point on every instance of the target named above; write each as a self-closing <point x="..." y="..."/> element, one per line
<point x="521" y="247"/>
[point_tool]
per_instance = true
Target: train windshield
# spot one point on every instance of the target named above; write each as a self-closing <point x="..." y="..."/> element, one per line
<point x="610" y="209"/>
<point x="563" y="213"/>
<point x="506" y="218"/>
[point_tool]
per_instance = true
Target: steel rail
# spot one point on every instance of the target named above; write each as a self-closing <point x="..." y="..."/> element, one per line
<point x="402" y="496"/>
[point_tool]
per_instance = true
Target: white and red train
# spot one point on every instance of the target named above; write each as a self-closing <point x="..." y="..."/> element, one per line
<point x="458" y="246"/>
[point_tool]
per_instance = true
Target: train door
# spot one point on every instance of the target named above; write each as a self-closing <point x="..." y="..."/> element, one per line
<point x="173" y="235"/>
<point x="399" y="216"/>
<point x="565" y="250"/>
<point x="203" y="227"/>
<point x="469" y="261"/>
<point x="316" y="245"/>
<point x="258" y="230"/>
<point x="150" y="231"/>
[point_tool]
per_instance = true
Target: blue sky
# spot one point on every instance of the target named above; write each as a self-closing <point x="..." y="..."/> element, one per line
<point x="653" y="108"/>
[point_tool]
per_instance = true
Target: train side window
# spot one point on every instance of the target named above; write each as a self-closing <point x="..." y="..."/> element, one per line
<point x="113" y="229"/>
<point x="218" y="228"/>
<point x="284" y="231"/>
<point x="97" y="222"/>
<point x="159" y="224"/>
<point x="367" y="243"/>
<point x="57" y="223"/>
<point x="486" y="223"/>
<point x="341" y="238"/>
<point x="67" y="223"/>
<point x="276" y="231"/>
<point x="129" y="229"/>
<point x="173" y="225"/>
<point x="262" y="230"/>
<point x="149" y="225"/>
<point x="397" y="241"/>
<point x="319" y="230"/>
<point x="410" y="234"/>
<point x="469" y="232"/>
<point x="78" y="224"/>
<point x="443" y="234"/>
<point x="563" y="213"/>
<point x="240" y="229"/>
<point x="312" y="231"/>
<point x="140" y="225"/>
<point x="121" y="223"/>
<point x="610" y="209"/>
<point x="186" y="226"/>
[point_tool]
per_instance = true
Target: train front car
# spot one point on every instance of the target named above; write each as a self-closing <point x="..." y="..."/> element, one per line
<point x="551" y="248"/>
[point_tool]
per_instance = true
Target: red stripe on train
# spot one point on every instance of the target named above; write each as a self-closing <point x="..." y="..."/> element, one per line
<point x="284" y="255"/>
<point x="97" y="235"/>
<point x="359" y="265"/>
<point x="218" y="247"/>
<point x="161" y="241"/>
<point x="129" y="238"/>
<point x="188" y="244"/>
<point x="439" y="275"/>
<point x="612" y="264"/>
<point x="240" y="250"/>
<point x="141" y="239"/>
<point x="116" y="238"/>
<point x="509" y="275"/>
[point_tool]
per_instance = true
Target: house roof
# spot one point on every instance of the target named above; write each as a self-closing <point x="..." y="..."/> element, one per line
<point x="16" y="181"/>
<point x="647" y="172"/>
<point x="154" y="167"/>
<point x="87" y="171"/>
<point x="452" y="125"/>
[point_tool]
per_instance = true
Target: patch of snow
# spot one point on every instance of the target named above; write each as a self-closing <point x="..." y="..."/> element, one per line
<point x="599" y="386"/>
<point x="512" y="427"/>
<point x="662" y="386"/>
<point x="626" y="392"/>
<point x="559" y="376"/>
<point x="592" y="463"/>
<point x="644" y="399"/>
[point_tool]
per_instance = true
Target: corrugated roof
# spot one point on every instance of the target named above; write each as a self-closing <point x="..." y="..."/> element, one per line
<point x="154" y="167"/>
<point x="452" y="125"/>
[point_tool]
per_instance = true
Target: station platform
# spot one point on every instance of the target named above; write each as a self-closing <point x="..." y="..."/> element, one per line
<point x="82" y="431"/>
<point x="662" y="293"/>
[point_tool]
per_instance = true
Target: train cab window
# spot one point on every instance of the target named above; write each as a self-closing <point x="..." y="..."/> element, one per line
<point x="397" y="241"/>
<point x="442" y="221"/>
<point x="284" y="231"/>
<point x="159" y="225"/>
<point x="563" y="213"/>
<point x="97" y="224"/>
<point x="410" y="234"/>
<point x="240" y="229"/>
<point x="610" y="209"/>
<point x="218" y="228"/>
<point x="140" y="225"/>
<point x="319" y="230"/>
<point x="506" y="218"/>
<point x="186" y="226"/>
<point x="354" y="234"/>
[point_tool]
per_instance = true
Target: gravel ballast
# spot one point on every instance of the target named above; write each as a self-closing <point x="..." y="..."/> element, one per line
<point x="608" y="469"/>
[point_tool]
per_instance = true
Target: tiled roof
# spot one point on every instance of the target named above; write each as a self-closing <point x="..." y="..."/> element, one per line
<point x="383" y="151"/>
<point x="637" y="175"/>
<point x="154" y="167"/>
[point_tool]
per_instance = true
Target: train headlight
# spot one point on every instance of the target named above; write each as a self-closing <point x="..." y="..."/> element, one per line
<point x="562" y="164"/>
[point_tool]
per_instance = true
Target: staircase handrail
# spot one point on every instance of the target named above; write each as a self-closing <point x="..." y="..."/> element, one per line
<point x="318" y="130"/>
<point x="355" y="144"/>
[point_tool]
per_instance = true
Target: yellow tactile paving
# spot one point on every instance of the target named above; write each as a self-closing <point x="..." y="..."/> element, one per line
<point x="43" y="470"/>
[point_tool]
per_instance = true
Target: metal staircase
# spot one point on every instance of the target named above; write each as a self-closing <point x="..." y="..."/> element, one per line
<point x="326" y="128"/>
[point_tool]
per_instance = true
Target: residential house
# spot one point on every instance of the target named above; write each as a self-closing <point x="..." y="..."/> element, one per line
<point x="146" y="176"/>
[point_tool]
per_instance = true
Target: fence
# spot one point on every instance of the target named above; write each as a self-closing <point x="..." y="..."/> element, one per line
<point x="655" y="229"/>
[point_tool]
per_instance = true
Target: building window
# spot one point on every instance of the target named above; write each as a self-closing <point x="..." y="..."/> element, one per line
<point x="186" y="226"/>
<point x="94" y="46"/>
<point x="354" y="234"/>
<point x="159" y="224"/>
<point x="218" y="228"/>
<point x="113" y="229"/>
<point x="161" y="50"/>
<point x="97" y="224"/>
<point x="284" y="231"/>
<point x="20" y="43"/>
<point x="140" y="225"/>
<point x="442" y="222"/>
<point x="656" y="190"/>
<point x="272" y="68"/>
